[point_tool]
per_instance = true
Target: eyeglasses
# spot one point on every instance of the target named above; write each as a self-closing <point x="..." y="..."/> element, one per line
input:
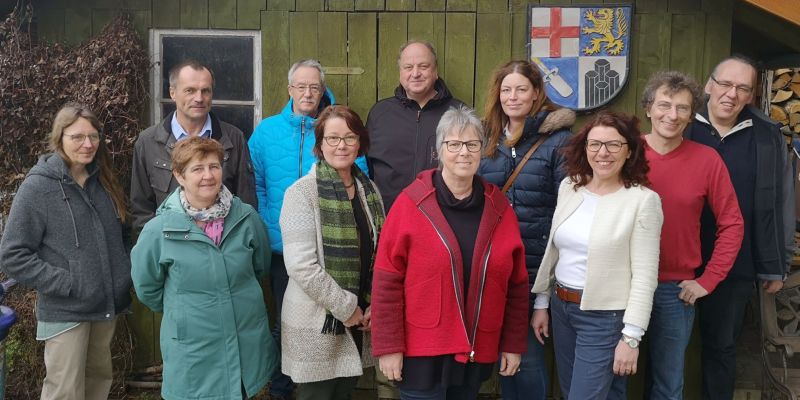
<point x="335" y="140"/>
<point x="454" y="146"/>
<point x="740" y="89"/>
<point x="682" y="109"/>
<point x="613" y="146"/>
<point x="79" y="138"/>
<point x="315" y="89"/>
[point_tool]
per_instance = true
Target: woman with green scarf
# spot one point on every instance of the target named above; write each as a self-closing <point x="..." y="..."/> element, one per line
<point x="330" y="223"/>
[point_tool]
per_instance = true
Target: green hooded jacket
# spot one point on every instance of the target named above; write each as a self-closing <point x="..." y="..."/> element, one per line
<point x="215" y="336"/>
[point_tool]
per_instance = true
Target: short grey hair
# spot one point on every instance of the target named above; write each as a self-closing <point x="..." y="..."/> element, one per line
<point x="308" y="62"/>
<point x="422" y="42"/>
<point x="459" y="119"/>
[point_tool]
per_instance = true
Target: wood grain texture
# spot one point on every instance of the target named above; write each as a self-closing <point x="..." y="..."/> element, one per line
<point x="392" y="33"/>
<point x="248" y="13"/>
<point x="167" y="14"/>
<point x="459" y="55"/>
<point x="222" y="14"/>
<point x="333" y="50"/>
<point x="362" y="32"/>
<point x="275" y="61"/>
<point x="194" y="14"/>
<point x="492" y="49"/>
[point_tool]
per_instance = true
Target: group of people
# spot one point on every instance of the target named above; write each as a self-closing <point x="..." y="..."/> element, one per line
<point x="436" y="246"/>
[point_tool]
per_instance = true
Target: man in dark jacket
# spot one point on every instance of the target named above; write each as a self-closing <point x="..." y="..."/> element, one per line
<point x="402" y="128"/>
<point x="756" y="157"/>
<point x="191" y="87"/>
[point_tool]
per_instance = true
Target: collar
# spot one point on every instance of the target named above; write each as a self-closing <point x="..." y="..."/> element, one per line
<point x="180" y="133"/>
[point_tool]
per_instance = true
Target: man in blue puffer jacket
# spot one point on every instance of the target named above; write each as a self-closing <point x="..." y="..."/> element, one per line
<point x="281" y="151"/>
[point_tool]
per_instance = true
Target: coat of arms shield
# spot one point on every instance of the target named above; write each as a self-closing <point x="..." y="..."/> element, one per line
<point x="582" y="52"/>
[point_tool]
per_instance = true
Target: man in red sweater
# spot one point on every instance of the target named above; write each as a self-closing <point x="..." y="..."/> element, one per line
<point x="687" y="176"/>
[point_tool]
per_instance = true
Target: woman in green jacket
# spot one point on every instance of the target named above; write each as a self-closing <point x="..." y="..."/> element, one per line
<point x="198" y="261"/>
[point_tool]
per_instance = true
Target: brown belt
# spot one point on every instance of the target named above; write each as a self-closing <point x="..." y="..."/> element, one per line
<point x="569" y="295"/>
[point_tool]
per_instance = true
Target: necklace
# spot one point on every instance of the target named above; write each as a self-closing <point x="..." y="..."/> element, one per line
<point x="350" y="185"/>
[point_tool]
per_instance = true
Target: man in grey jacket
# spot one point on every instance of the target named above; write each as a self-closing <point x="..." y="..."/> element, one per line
<point x="191" y="86"/>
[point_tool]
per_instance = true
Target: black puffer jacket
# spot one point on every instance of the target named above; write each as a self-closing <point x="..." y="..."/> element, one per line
<point x="403" y="139"/>
<point x="535" y="191"/>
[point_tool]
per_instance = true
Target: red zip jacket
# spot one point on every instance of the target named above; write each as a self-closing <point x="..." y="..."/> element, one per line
<point x="418" y="307"/>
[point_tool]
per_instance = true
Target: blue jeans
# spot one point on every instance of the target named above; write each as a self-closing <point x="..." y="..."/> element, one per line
<point x="667" y="337"/>
<point x="281" y="385"/>
<point x="530" y="383"/>
<point x="584" y="347"/>
<point x="467" y="391"/>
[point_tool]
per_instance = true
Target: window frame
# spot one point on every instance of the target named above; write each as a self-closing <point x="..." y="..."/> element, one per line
<point x="158" y="98"/>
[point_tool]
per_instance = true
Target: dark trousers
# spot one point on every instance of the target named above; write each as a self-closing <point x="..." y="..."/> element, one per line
<point x="281" y="384"/>
<point x="331" y="389"/>
<point x="721" y="320"/>
<point x="466" y="391"/>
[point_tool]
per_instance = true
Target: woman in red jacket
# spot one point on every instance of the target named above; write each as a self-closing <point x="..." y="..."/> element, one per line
<point x="450" y="284"/>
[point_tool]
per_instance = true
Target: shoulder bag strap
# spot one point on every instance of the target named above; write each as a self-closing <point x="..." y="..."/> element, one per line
<point x="521" y="164"/>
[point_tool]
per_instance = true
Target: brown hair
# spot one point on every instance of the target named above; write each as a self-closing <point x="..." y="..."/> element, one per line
<point x="673" y="82"/>
<point x="634" y="171"/>
<point x="352" y="120"/>
<point x="193" y="64"/>
<point x="67" y="116"/>
<point x="494" y="117"/>
<point x="191" y="147"/>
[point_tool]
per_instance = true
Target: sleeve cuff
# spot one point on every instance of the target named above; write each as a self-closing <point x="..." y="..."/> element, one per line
<point x="770" y="277"/>
<point x="542" y="301"/>
<point x="633" y="331"/>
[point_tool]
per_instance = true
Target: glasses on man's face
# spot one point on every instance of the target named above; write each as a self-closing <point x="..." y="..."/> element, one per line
<point x="726" y="85"/>
<point x="454" y="146"/>
<point x="665" y="107"/>
<point x="79" y="138"/>
<point x="613" y="146"/>
<point x="335" y="140"/>
<point x="315" y="89"/>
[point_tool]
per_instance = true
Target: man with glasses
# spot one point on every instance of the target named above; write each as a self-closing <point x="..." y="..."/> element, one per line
<point x="402" y="128"/>
<point x="687" y="176"/>
<point x="191" y="86"/>
<point x="753" y="150"/>
<point x="282" y="151"/>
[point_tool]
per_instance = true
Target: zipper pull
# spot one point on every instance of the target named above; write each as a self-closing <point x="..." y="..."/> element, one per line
<point x="418" y="112"/>
<point x="513" y="152"/>
<point x="472" y="356"/>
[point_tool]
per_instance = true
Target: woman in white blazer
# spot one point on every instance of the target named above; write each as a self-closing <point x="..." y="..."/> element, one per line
<point x="600" y="268"/>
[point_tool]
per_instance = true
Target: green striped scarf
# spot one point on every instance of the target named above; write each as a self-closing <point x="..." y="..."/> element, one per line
<point x="340" y="242"/>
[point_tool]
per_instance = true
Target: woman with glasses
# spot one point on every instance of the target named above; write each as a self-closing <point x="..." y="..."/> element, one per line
<point x="600" y="268"/>
<point x="450" y="286"/>
<point x="64" y="239"/>
<point x="330" y="223"/>
<point x="526" y="131"/>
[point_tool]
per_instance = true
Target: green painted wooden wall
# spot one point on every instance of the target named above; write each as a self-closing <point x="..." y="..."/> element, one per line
<point x="472" y="38"/>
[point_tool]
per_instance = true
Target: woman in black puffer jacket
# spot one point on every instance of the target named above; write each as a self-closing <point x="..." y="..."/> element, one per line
<point x="518" y="115"/>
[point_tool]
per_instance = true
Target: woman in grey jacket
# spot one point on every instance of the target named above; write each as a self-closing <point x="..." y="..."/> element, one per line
<point x="64" y="239"/>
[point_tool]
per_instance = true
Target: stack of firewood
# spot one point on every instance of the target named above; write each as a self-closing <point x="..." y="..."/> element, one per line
<point x="785" y="98"/>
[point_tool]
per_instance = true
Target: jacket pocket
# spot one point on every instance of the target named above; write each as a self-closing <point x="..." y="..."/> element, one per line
<point x="424" y="303"/>
<point x="161" y="175"/>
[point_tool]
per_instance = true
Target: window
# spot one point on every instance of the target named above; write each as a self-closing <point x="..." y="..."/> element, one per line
<point x="233" y="56"/>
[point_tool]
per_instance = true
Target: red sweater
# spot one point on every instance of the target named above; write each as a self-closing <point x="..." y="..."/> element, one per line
<point x="418" y="307"/>
<point x="687" y="179"/>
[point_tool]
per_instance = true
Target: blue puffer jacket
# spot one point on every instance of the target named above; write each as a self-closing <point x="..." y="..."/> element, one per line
<point x="535" y="191"/>
<point x="281" y="150"/>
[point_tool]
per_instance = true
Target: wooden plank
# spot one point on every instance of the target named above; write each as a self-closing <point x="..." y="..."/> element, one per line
<point x="50" y="24"/>
<point x="341" y="5"/>
<point x="459" y="55"/>
<point x="77" y="27"/>
<point x="333" y="50"/>
<point x="302" y="35"/>
<point x="556" y="2"/>
<point x="520" y="36"/>
<point x="651" y="6"/>
<point x="683" y="6"/>
<point x="686" y="52"/>
<point x="654" y="38"/>
<point x="309" y="5"/>
<point x="275" y="61"/>
<point x="370" y="5"/>
<point x="362" y="32"/>
<point x="142" y="324"/>
<point x="248" y="13"/>
<point x="136" y="4"/>
<point x="392" y="33"/>
<point x="493" y="6"/>
<point x="626" y="100"/>
<point x="717" y="42"/>
<point x="222" y="14"/>
<point x="787" y="10"/>
<point x="431" y="5"/>
<point x="280" y="5"/>
<point x="194" y="14"/>
<point x="598" y="2"/>
<point x="717" y="6"/>
<point x="429" y="27"/>
<point x="166" y="14"/>
<point x="400" y="5"/>
<point x="101" y="18"/>
<point x="520" y="6"/>
<point x="492" y="48"/>
<point x="461" y="5"/>
<point x="142" y="23"/>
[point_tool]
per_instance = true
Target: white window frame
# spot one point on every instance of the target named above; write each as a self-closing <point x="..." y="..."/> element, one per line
<point x="158" y="98"/>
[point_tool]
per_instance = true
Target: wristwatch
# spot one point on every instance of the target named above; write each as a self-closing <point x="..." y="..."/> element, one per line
<point x="632" y="342"/>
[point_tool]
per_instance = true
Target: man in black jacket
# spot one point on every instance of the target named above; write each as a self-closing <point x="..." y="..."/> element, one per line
<point x="402" y="128"/>
<point x="756" y="156"/>
<point x="191" y="87"/>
